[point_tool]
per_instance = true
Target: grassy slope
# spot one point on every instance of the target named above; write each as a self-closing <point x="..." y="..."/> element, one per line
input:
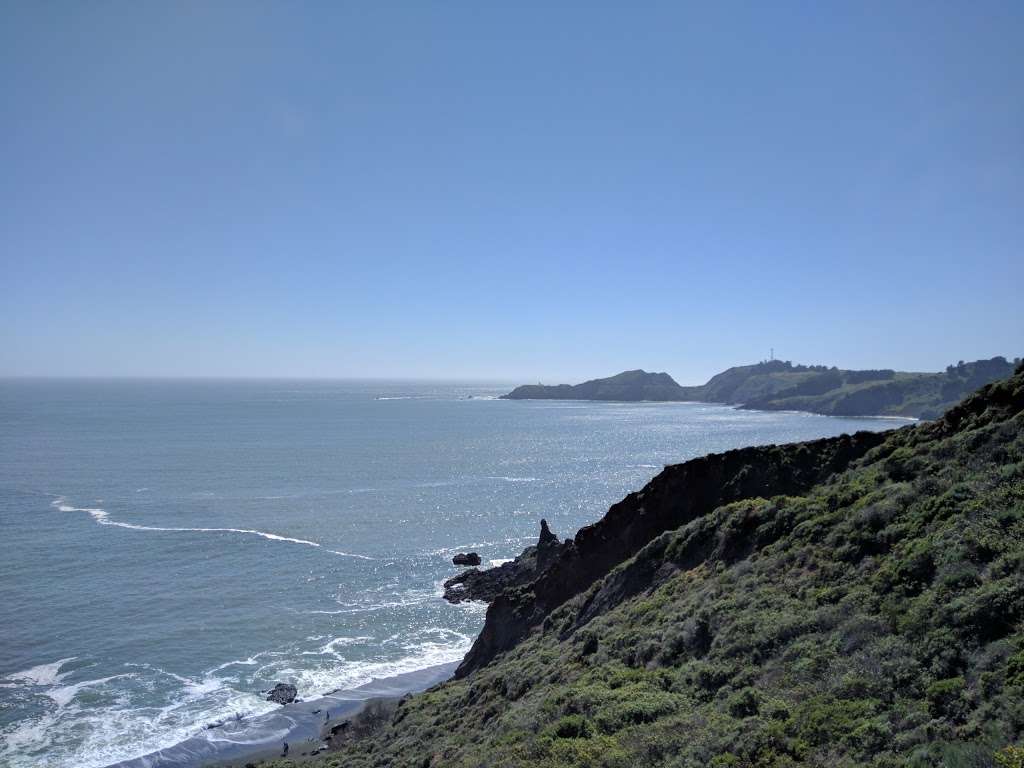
<point x="875" y="620"/>
<point x="844" y="393"/>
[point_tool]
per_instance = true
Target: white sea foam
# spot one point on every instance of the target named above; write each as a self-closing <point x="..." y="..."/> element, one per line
<point x="123" y="728"/>
<point x="65" y="694"/>
<point x="331" y="648"/>
<point x="102" y="517"/>
<point x="432" y="646"/>
<point x="42" y="674"/>
<point x="112" y="734"/>
<point x="199" y="688"/>
<point x="20" y="739"/>
<point x="263" y="737"/>
<point x="106" y="733"/>
<point x="248" y="662"/>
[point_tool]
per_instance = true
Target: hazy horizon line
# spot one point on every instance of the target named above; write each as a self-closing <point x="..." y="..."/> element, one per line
<point x="497" y="379"/>
<point x="215" y="377"/>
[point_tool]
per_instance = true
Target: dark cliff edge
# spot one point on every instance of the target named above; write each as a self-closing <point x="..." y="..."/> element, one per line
<point x="679" y="494"/>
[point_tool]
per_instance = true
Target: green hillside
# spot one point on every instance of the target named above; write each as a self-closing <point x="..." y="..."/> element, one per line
<point x="858" y="393"/>
<point x="780" y="385"/>
<point x="873" y="620"/>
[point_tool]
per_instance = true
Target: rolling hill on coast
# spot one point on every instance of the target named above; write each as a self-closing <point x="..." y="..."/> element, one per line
<point x="780" y="385"/>
<point x="850" y="601"/>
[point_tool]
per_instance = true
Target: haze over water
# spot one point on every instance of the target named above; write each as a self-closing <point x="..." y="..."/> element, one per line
<point x="171" y="548"/>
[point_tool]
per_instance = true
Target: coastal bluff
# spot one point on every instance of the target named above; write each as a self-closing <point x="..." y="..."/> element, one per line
<point x="780" y="385"/>
<point x="628" y="386"/>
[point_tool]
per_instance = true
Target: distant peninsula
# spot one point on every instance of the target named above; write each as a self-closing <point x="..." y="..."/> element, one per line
<point x="628" y="386"/>
<point x="777" y="385"/>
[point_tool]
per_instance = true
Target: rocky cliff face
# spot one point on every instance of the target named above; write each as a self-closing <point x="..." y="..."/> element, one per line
<point x="678" y="495"/>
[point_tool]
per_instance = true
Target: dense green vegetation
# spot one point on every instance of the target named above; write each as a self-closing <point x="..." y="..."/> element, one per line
<point x="876" y="620"/>
<point x="781" y="385"/>
<point x="859" y="393"/>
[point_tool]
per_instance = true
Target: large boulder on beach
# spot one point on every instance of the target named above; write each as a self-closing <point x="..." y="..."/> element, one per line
<point x="282" y="693"/>
<point x="466" y="558"/>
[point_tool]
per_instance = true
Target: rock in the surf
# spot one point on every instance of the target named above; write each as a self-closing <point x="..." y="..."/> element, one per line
<point x="282" y="693"/>
<point x="466" y="558"/>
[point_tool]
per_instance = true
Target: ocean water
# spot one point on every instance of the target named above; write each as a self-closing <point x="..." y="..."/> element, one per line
<point x="168" y="549"/>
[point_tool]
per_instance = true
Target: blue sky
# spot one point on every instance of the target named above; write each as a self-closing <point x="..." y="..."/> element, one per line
<point x="520" y="191"/>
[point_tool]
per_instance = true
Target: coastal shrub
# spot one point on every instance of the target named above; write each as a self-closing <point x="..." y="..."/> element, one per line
<point x="1015" y="669"/>
<point x="1010" y="757"/>
<point x="744" y="702"/>
<point x="632" y="706"/>
<point x="571" y="727"/>
<point x="946" y="697"/>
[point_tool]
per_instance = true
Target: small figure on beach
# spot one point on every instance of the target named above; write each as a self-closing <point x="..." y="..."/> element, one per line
<point x="327" y="716"/>
<point x="284" y="752"/>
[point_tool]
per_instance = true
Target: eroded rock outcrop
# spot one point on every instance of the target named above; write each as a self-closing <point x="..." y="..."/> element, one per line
<point x="466" y="558"/>
<point x="486" y="585"/>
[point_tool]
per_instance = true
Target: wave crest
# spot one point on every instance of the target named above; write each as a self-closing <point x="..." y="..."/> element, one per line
<point x="102" y="517"/>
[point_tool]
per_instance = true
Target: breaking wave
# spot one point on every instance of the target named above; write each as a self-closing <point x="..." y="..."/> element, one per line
<point x="102" y="517"/>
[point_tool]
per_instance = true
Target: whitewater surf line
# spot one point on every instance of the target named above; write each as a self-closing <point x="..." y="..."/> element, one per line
<point x="102" y="517"/>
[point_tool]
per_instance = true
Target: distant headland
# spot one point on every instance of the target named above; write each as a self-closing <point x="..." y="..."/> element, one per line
<point x="777" y="385"/>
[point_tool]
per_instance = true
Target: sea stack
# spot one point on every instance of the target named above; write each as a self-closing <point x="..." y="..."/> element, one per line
<point x="466" y="558"/>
